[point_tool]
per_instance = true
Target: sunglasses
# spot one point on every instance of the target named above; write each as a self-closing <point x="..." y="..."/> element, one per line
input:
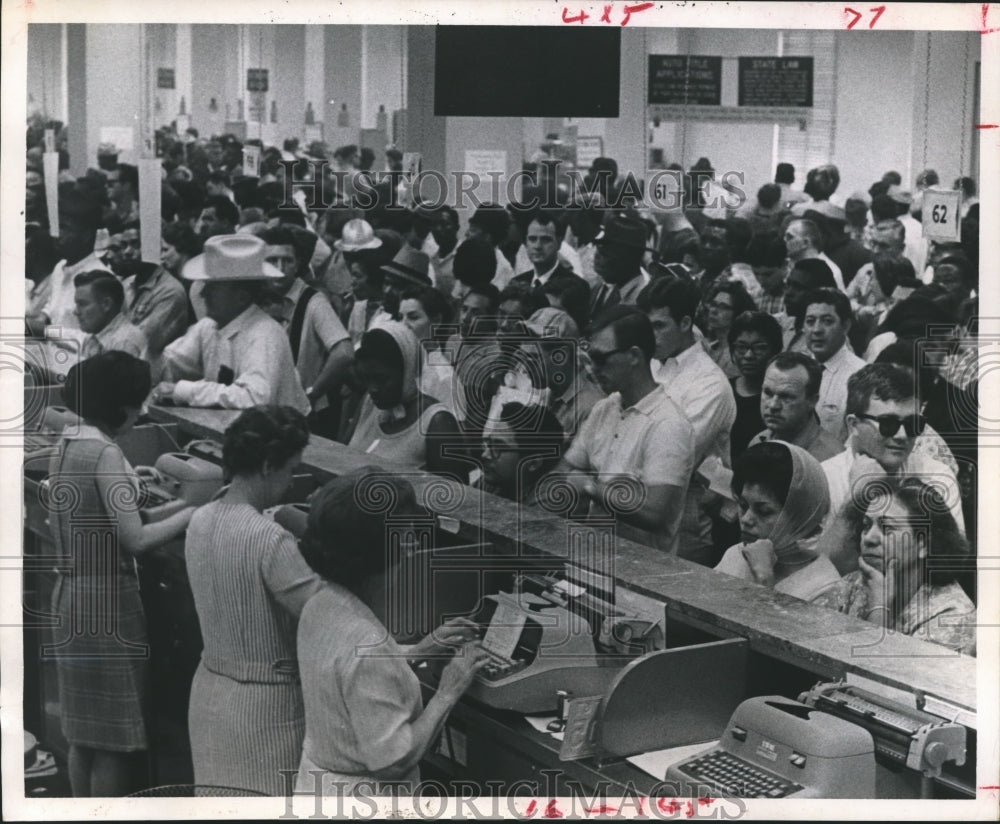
<point x="888" y="425"/>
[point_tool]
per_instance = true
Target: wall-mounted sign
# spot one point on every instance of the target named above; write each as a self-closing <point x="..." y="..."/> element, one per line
<point x="256" y="80"/>
<point x="165" y="79"/>
<point x="588" y="149"/>
<point x="776" y="81"/>
<point x="685" y="80"/>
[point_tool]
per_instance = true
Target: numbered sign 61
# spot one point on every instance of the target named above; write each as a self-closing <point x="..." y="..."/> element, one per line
<point x="941" y="216"/>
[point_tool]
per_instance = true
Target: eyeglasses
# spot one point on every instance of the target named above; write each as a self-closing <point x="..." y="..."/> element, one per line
<point x="601" y="358"/>
<point x="759" y="349"/>
<point x="888" y="425"/>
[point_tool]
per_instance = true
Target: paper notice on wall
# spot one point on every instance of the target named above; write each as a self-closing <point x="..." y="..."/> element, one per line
<point x="490" y="167"/>
<point x="121" y="137"/>
<point x="150" y="174"/>
<point x="251" y="161"/>
<point x="50" y="169"/>
<point x="50" y="140"/>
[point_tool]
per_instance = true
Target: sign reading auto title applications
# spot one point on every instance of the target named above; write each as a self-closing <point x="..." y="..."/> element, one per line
<point x="257" y="80"/>
<point x="682" y="80"/>
<point x="165" y="79"/>
<point x="941" y="215"/>
<point x="776" y="81"/>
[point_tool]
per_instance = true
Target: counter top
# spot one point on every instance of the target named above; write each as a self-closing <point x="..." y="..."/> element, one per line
<point x="783" y="627"/>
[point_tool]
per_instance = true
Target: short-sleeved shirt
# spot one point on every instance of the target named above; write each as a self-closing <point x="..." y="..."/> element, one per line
<point x="832" y="403"/>
<point x="119" y="335"/>
<point x="61" y="304"/>
<point x="321" y="331"/>
<point x="361" y="697"/>
<point x="701" y="389"/>
<point x="651" y="440"/>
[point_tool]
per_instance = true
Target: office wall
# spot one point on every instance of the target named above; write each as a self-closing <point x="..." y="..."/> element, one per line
<point x="46" y="72"/>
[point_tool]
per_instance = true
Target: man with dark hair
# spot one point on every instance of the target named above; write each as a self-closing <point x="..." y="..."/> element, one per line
<point x="491" y="223"/>
<point x="788" y="401"/>
<point x="620" y="248"/>
<point x="542" y="236"/>
<point x="444" y="229"/>
<point x="543" y="259"/>
<point x="784" y="176"/>
<point x="475" y="354"/>
<point x="821" y="183"/>
<point x="123" y="193"/>
<point x="826" y="322"/>
<point x="636" y="435"/>
<point x="99" y="299"/>
<point x="804" y="241"/>
<point x="474" y="265"/>
<point x="321" y="347"/>
<point x="219" y="216"/>
<point x="701" y="390"/>
<point x="806" y="275"/>
<point x="884" y="420"/>
<point x="766" y="213"/>
<point x="766" y="255"/>
<point x="78" y="216"/>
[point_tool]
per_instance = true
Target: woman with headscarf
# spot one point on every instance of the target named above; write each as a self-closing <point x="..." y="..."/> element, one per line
<point x="396" y="420"/>
<point x="783" y="497"/>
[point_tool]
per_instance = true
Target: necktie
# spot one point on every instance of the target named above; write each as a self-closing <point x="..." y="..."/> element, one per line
<point x="536" y="283"/>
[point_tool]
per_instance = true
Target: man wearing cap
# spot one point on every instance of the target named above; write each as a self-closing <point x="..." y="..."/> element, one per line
<point x="77" y="231"/>
<point x="803" y="241"/>
<point x="840" y="247"/>
<point x="542" y="237"/>
<point x="321" y="347"/>
<point x="621" y="245"/>
<point x="491" y="222"/>
<point x="238" y="356"/>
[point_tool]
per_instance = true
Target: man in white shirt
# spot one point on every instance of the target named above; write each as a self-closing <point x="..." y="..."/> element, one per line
<point x="826" y="322"/>
<point x="77" y="230"/>
<point x="700" y="388"/>
<point x="635" y="436"/>
<point x="238" y="356"/>
<point x="804" y="240"/>
<point x="884" y="421"/>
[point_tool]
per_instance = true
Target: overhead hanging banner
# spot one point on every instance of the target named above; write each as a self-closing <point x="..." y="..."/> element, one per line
<point x="683" y="80"/>
<point x="776" y="81"/>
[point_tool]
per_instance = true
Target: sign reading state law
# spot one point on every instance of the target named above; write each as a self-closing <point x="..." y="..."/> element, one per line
<point x="682" y="80"/>
<point x="776" y="81"/>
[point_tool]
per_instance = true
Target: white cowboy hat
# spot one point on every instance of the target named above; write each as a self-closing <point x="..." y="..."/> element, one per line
<point x="231" y="257"/>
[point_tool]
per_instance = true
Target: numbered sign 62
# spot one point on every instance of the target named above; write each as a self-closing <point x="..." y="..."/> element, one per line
<point x="941" y="212"/>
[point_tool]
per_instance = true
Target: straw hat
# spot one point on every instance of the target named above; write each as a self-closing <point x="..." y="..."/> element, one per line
<point x="231" y="257"/>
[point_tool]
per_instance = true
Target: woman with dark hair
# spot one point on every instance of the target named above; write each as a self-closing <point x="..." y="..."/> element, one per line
<point x="427" y="313"/>
<point x="894" y="586"/>
<point x="397" y="421"/>
<point x="249" y="583"/>
<point x="754" y="338"/>
<point x="783" y="496"/>
<point x="365" y="718"/>
<point x="178" y="244"/>
<point x="102" y="675"/>
<point x="725" y="301"/>
<point x="523" y="446"/>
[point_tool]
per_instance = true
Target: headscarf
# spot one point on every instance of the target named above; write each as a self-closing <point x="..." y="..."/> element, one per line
<point x="808" y="499"/>
<point x="409" y="348"/>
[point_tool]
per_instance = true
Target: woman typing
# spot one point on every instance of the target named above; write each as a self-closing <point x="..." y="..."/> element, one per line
<point x="365" y="719"/>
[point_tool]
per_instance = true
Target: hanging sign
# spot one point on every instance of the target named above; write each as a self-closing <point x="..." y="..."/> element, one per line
<point x="257" y="80"/>
<point x="941" y="215"/>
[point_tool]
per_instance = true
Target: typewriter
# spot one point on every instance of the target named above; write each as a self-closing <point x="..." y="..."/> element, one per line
<point x="774" y="747"/>
<point x="905" y="736"/>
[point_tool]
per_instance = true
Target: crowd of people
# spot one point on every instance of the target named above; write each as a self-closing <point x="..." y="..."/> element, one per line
<point x="789" y="385"/>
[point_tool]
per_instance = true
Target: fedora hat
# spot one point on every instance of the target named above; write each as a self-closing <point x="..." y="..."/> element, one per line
<point x="623" y="231"/>
<point x="409" y="265"/>
<point x="231" y="257"/>
<point x="356" y="236"/>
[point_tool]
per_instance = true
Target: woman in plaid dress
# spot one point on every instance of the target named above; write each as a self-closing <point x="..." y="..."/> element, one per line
<point x="100" y="646"/>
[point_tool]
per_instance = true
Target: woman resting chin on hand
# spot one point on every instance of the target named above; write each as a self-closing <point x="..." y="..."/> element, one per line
<point x="783" y="497"/>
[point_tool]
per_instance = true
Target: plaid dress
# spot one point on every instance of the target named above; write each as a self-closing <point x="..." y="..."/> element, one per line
<point x="100" y="646"/>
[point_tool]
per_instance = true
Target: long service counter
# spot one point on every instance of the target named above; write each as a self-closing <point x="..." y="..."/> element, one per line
<point x="820" y="641"/>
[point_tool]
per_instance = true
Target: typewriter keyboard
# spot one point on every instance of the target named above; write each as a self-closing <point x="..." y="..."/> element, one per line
<point x="738" y="778"/>
<point x="497" y="668"/>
